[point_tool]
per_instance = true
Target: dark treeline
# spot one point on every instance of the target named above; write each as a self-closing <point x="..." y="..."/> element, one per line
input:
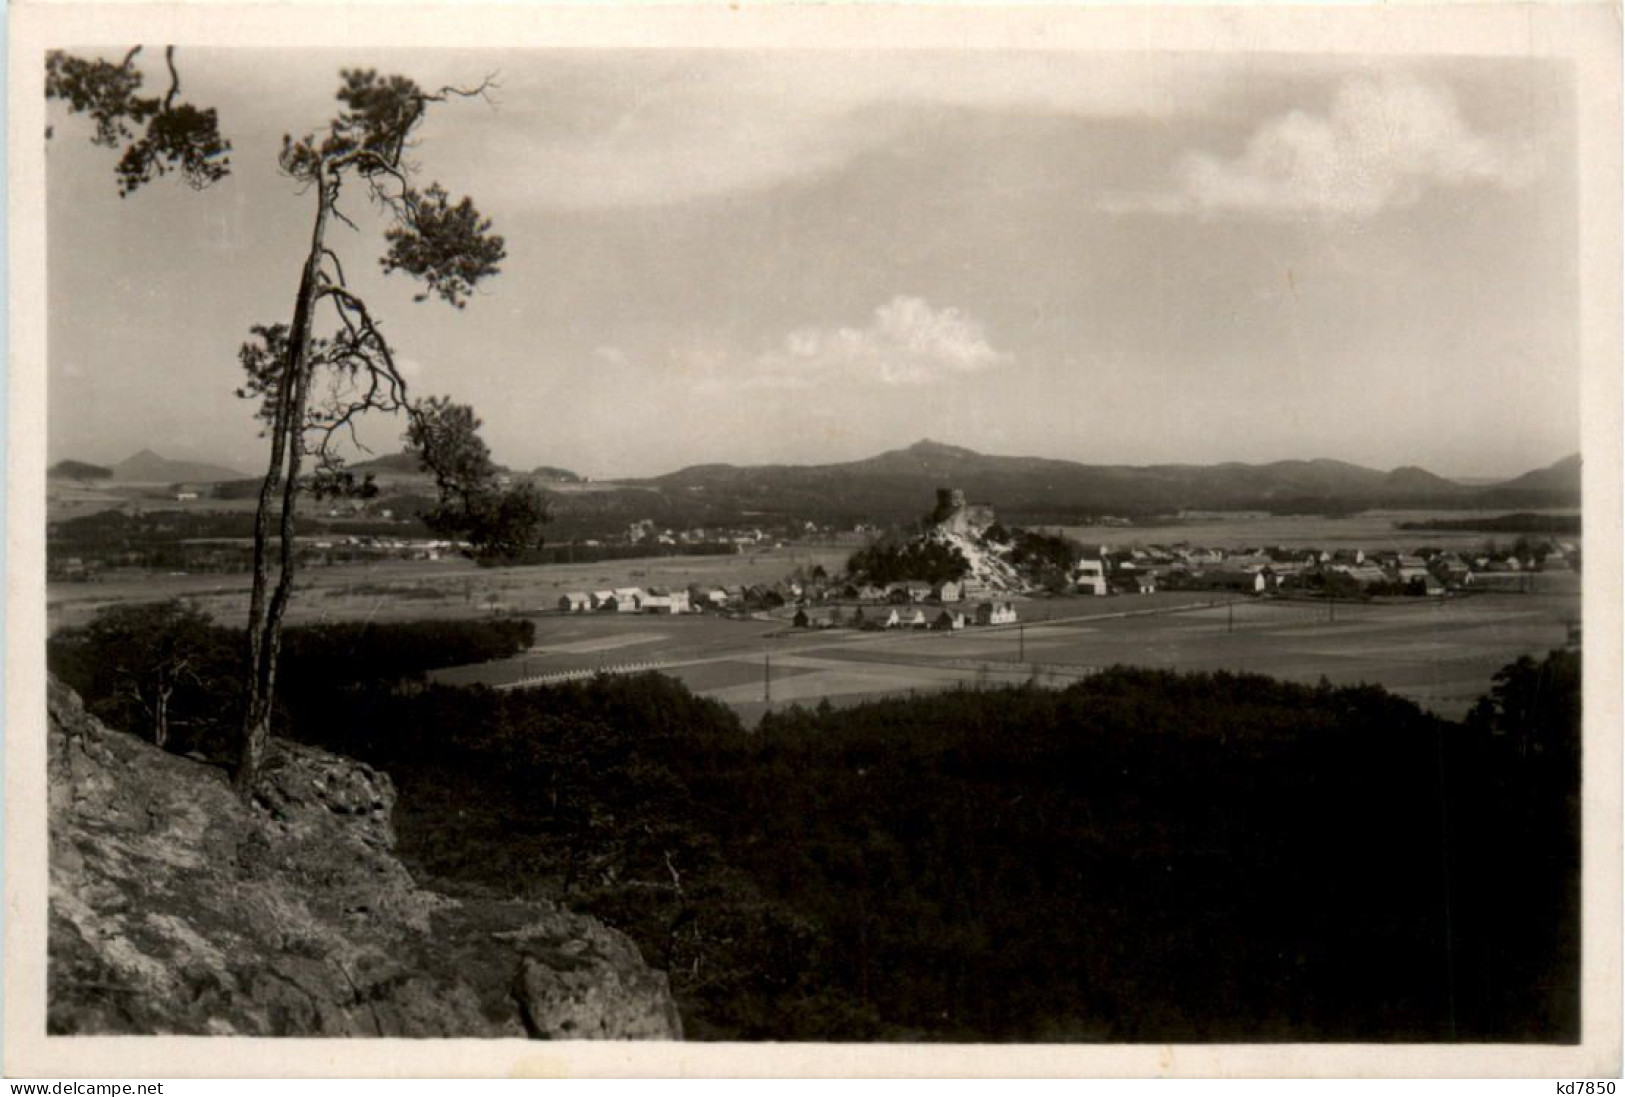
<point x="1143" y="856"/>
<point x="130" y="655"/>
<point x="1047" y="559"/>
<point x="171" y="539"/>
<point x="891" y="560"/>
<point x="1555" y="525"/>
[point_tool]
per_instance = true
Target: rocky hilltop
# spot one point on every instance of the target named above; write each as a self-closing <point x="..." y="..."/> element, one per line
<point x="177" y="909"/>
<point x="966" y="528"/>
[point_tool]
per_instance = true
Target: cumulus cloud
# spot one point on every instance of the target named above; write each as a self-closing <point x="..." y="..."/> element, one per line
<point x="1381" y="144"/>
<point x="907" y="342"/>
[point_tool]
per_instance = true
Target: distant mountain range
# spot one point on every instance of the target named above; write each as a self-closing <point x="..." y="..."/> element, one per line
<point x="900" y="484"/>
<point x="902" y="481"/>
<point x="149" y="467"/>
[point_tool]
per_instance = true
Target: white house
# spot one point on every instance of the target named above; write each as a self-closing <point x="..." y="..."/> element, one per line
<point x="629" y="599"/>
<point x="660" y="600"/>
<point x="1090" y="576"/>
<point x="603" y="599"/>
<point x="995" y="613"/>
<point x="575" y="602"/>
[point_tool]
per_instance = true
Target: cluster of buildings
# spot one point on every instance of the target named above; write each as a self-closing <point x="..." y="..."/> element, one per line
<point x="877" y="618"/>
<point x="1426" y="571"/>
<point x="648" y="533"/>
<point x="327" y="550"/>
<point x="628" y="600"/>
<point x="865" y="606"/>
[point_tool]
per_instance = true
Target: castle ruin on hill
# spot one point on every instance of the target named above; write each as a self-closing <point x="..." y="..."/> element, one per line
<point x="955" y="515"/>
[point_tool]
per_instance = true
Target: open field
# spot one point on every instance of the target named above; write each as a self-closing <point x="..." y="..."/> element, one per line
<point x="1439" y="653"/>
<point x="396" y="590"/>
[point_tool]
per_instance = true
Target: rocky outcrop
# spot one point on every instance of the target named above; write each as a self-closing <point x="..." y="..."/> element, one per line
<point x="176" y="908"/>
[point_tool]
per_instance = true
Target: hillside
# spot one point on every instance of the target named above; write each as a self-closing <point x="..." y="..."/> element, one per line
<point x="175" y="909"/>
<point x="404" y="463"/>
<point x="149" y="467"/>
<point x="1557" y="484"/>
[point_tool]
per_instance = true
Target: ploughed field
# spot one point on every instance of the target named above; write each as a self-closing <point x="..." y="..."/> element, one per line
<point x="1441" y="653"/>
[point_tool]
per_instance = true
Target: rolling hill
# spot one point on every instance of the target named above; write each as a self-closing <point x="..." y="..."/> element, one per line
<point x="149" y="467"/>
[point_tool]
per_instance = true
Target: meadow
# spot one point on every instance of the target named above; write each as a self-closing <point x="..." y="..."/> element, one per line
<point x="451" y="587"/>
<point x="1440" y="653"/>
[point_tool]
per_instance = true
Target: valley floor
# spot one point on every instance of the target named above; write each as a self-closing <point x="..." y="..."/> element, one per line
<point x="1440" y="653"/>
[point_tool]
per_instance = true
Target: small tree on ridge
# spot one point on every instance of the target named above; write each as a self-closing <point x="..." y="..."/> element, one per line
<point x="315" y="375"/>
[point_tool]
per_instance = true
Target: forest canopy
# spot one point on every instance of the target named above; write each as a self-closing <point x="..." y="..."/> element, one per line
<point x="1142" y="856"/>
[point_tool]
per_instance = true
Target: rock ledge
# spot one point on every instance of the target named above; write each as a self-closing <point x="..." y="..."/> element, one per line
<point x="176" y="909"/>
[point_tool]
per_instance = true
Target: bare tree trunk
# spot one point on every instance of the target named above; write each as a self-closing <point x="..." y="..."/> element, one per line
<point x="287" y="450"/>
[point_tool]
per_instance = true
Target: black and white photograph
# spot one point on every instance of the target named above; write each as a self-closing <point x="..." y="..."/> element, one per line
<point x="934" y="532"/>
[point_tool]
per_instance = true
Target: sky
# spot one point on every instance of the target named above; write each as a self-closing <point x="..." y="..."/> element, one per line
<point x="814" y="256"/>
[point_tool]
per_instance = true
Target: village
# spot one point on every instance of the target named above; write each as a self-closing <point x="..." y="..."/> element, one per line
<point x="988" y="589"/>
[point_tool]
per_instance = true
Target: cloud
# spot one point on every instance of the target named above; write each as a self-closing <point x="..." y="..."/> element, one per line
<point x="646" y="128"/>
<point x="907" y="343"/>
<point x="610" y="355"/>
<point x="1381" y="144"/>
